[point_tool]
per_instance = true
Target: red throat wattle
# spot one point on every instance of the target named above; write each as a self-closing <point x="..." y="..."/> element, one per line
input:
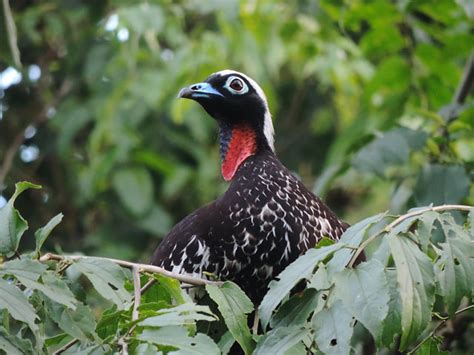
<point x="243" y="143"/>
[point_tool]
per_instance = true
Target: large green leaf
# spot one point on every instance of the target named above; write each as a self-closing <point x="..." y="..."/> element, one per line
<point x="107" y="278"/>
<point x="333" y="328"/>
<point x="12" y="224"/>
<point x="13" y="300"/>
<point x="365" y="294"/>
<point x="43" y="233"/>
<point x="178" y="337"/>
<point x="415" y="280"/>
<point x="441" y="184"/>
<point x="280" y="340"/>
<point x="184" y="314"/>
<point x="455" y="267"/>
<point x="301" y="269"/>
<point x="234" y="306"/>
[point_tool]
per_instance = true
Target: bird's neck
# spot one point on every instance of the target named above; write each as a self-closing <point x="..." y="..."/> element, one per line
<point x="237" y="143"/>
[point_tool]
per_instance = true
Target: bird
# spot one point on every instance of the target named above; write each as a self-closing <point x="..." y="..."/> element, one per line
<point x="266" y="218"/>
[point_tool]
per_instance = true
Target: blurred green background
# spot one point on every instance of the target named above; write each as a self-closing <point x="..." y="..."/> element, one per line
<point x="358" y="91"/>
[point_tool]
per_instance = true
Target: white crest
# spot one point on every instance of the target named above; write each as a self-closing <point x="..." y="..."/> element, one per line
<point x="268" y="130"/>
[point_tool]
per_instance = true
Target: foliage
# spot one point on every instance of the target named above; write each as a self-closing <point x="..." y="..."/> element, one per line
<point x="365" y="111"/>
<point x="391" y="294"/>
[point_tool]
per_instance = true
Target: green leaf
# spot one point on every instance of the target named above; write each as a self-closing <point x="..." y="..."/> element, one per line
<point x="415" y="280"/>
<point x="430" y="347"/>
<point x="333" y="328"/>
<point x="234" y="306"/>
<point x="78" y="323"/>
<point x="392" y="324"/>
<point x="364" y="292"/>
<point x="13" y="300"/>
<point x="392" y="148"/>
<point x="134" y="186"/>
<point x="353" y="236"/>
<point x="107" y="278"/>
<point x="23" y="268"/>
<point x="44" y="232"/>
<point x="225" y="342"/>
<point x="425" y="228"/>
<point x="28" y="273"/>
<point x="302" y="268"/>
<point x="455" y="267"/>
<point x="296" y="310"/>
<point x="14" y="345"/>
<point x="178" y="337"/>
<point x="280" y="340"/>
<point x="184" y="314"/>
<point x="12" y="224"/>
<point x="110" y="322"/>
<point x="441" y="184"/>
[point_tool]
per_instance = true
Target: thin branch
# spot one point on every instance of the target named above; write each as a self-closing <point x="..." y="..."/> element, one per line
<point x="141" y="268"/>
<point x="435" y="329"/>
<point x="12" y="34"/>
<point x="66" y="347"/>
<point x="137" y="292"/>
<point x="123" y="346"/>
<point x="399" y="220"/>
<point x="147" y="286"/>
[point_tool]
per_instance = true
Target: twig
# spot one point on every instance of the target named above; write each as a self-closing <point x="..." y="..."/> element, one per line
<point x="440" y="324"/>
<point x="141" y="268"/>
<point x="137" y="292"/>
<point x="400" y="219"/>
<point x="147" y="286"/>
<point x="65" y="347"/>
<point x="123" y="346"/>
<point x="12" y="34"/>
<point x="256" y="320"/>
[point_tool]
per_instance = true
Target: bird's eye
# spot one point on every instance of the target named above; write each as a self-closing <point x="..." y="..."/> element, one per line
<point x="237" y="84"/>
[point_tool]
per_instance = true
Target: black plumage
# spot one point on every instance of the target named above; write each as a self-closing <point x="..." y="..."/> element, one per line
<point x="266" y="218"/>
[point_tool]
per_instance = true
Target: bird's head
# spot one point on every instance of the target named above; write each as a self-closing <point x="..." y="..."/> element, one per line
<point x="240" y="107"/>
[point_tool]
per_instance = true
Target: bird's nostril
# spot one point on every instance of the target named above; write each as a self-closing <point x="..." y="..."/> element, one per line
<point x="195" y="87"/>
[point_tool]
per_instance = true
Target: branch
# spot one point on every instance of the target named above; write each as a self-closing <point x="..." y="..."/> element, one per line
<point x="12" y="34"/>
<point x="450" y="112"/>
<point x="66" y="347"/>
<point x="399" y="220"/>
<point x="141" y="268"/>
<point x="440" y="324"/>
<point x="137" y="292"/>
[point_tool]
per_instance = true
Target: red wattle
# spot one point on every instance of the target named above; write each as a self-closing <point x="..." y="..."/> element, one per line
<point x="243" y="143"/>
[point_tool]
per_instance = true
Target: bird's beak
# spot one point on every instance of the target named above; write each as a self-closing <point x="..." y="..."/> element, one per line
<point x="199" y="90"/>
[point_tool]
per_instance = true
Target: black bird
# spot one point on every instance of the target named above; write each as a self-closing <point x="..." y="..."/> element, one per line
<point x="266" y="218"/>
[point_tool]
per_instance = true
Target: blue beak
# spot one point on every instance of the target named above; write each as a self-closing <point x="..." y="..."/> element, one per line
<point x="199" y="90"/>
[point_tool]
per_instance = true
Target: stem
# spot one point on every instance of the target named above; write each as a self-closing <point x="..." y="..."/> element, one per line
<point x="66" y="346"/>
<point x="141" y="268"/>
<point x="399" y="220"/>
<point x="137" y="292"/>
<point x="440" y="324"/>
<point x="11" y="32"/>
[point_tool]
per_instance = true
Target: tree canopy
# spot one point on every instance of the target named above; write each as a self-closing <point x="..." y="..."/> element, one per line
<point x="372" y="108"/>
